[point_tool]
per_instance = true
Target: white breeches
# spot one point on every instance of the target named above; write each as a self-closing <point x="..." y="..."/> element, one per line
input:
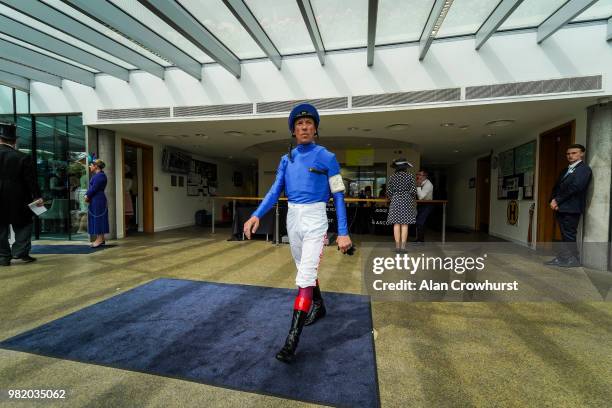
<point x="307" y="229"/>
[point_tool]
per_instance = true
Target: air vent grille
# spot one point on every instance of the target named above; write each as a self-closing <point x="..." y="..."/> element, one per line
<point x="407" y="98"/>
<point x="214" y="110"/>
<point x="141" y="113"/>
<point x="286" y="106"/>
<point x="574" y="84"/>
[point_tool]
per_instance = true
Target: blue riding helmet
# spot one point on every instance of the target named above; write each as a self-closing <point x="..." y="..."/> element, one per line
<point x="304" y="110"/>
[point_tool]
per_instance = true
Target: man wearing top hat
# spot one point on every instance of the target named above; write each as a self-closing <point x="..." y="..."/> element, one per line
<point x="18" y="188"/>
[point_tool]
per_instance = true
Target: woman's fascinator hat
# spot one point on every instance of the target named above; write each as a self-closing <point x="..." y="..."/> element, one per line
<point x="401" y="164"/>
<point x="92" y="159"/>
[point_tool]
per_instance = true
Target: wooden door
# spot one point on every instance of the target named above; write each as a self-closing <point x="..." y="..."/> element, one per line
<point x="553" y="145"/>
<point x="147" y="186"/>
<point x="483" y="193"/>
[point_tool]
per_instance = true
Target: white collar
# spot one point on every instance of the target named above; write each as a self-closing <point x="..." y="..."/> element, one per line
<point x="573" y="165"/>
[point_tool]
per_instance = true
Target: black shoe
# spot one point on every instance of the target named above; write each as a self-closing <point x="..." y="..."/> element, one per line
<point x="553" y="262"/>
<point x="572" y="262"/>
<point x="27" y="259"/>
<point x="287" y="353"/>
<point x="317" y="312"/>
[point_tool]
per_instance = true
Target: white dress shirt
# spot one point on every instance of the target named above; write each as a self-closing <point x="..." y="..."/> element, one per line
<point x="425" y="192"/>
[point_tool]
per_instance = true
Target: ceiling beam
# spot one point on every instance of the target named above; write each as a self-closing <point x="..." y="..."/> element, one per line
<point x="127" y="25"/>
<point x="432" y="26"/>
<point x="22" y="55"/>
<point x="50" y="16"/>
<point x="561" y="17"/>
<point x="30" y="73"/>
<point x="243" y="14"/>
<point x="313" y="29"/>
<point x="372" y="19"/>
<point x="14" y="81"/>
<point x="182" y="21"/>
<point x="50" y="43"/>
<point x="495" y="20"/>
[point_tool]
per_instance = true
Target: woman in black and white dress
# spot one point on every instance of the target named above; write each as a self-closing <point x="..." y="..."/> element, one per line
<point x="401" y="190"/>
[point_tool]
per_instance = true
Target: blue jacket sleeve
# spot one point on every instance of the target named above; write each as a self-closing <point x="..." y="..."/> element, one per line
<point x="333" y="169"/>
<point x="275" y="191"/>
<point x="340" y="213"/>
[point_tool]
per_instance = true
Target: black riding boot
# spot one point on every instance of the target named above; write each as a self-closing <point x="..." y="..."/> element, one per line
<point x="318" y="307"/>
<point x="420" y="232"/>
<point x="287" y="353"/>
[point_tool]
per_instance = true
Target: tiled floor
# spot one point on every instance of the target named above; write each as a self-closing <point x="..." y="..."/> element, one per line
<point x="429" y="354"/>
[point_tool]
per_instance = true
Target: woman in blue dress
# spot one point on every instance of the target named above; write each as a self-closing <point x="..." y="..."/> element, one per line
<point x="97" y="219"/>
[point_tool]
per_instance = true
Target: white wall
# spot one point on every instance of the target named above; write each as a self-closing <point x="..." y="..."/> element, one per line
<point x="461" y="208"/>
<point x="172" y="207"/>
<point x="573" y="51"/>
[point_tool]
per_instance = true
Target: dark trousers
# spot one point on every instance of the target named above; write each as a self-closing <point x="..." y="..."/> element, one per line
<point x="422" y="214"/>
<point x="22" y="245"/>
<point x="568" y="224"/>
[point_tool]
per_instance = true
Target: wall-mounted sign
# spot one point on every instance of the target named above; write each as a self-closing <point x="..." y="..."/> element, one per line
<point x="512" y="212"/>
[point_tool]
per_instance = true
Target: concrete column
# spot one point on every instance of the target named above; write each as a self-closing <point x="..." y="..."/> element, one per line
<point x="596" y="238"/>
<point x="106" y="152"/>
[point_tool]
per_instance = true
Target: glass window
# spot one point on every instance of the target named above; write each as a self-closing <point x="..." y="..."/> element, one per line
<point x="107" y="31"/>
<point x="364" y="181"/>
<point x="466" y="17"/>
<point x="52" y="166"/>
<point x="401" y="22"/>
<point x="283" y="22"/>
<point x="217" y="18"/>
<point x="24" y="133"/>
<point x="22" y="100"/>
<point x="342" y="23"/>
<point x="6" y="102"/>
<point x="154" y="23"/>
<point x="602" y="10"/>
<point x="531" y="13"/>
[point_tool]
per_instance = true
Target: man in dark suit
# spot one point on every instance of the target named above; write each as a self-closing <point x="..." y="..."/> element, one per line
<point x="18" y="188"/>
<point x="568" y="201"/>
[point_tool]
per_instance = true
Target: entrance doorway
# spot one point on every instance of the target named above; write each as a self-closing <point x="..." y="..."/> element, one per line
<point x="483" y="193"/>
<point x="553" y="145"/>
<point x="137" y="187"/>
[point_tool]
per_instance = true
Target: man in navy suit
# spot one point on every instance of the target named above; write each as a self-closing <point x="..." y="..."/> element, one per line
<point x="568" y="201"/>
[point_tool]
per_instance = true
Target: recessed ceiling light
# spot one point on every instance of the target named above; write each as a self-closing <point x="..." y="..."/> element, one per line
<point x="367" y="130"/>
<point x="352" y="128"/>
<point x="456" y="151"/>
<point x="230" y="157"/>
<point x="500" y="123"/>
<point x="201" y="135"/>
<point x="368" y="144"/>
<point x="489" y="134"/>
<point x="233" y="133"/>
<point x="397" y="127"/>
<point x="464" y="127"/>
<point x="447" y="124"/>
